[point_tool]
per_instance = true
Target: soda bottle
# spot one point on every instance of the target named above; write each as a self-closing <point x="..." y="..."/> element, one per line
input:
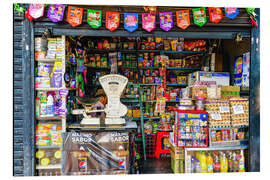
<point x="223" y="162"/>
<point x="230" y="164"/>
<point x="241" y="161"/>
<point x="203" y="163"/>
<point x="216" y="164"/>
<point x="209" y="163"/>
<point x="235" y="163"/>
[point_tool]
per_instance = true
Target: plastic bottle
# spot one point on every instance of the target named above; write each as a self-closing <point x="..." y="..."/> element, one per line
<point x="241" y="161"/>
<point x="197" y="165"/>
<point x="216" y="164"/>
<point x="203" y="162"/>
<point x="209" y="163"/>
<point x="223" y="163"/>
<point x="235" y="163"/>
<point x="50" y="106"/>
<point x="230" y="163"/>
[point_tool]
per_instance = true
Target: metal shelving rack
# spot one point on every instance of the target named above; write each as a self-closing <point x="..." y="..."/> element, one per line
<point x="54" y="118"/>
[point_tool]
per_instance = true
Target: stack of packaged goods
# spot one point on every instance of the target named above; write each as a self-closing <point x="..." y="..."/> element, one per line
<point x="219" y="113"/>
<point x="239" y="112"/>
<point x="48" y="134"/>
<point x="40" y="48"/>
<point x="52" y="46"/>
<point x="60" y="47"/>
<point x="42" y="79"/>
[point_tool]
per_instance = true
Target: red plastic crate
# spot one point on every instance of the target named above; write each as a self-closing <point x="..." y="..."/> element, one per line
<point x="150" y="143"/>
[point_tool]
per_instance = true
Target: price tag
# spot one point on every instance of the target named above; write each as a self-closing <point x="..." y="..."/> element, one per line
<point x="224" y="109"/>
<point x="216" y="116"/>
<point x="238" y="109"/>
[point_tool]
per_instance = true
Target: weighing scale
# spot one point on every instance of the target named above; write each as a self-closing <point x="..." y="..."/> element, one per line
<point x="113" y="86"/>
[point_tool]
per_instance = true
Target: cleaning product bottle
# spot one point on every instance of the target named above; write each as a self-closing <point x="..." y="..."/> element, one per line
<point x="216" y="164"/>
<point x="230" y="163"/>
<point x="241" y="161"/>
<point x="223" y="162"/>
<point x="209" y="163"/>
<point x="203" y="162"/>
<point x="197" y="165"/>
<point x="50" y="105"/>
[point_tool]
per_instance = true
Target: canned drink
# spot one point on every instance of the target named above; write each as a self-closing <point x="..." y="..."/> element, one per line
<point x="82" y="164"/>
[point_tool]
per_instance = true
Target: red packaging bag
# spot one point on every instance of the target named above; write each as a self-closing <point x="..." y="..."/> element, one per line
<point x="215" y="14"/>
<point x="182" y="18"/>
<point x="74" y="16"/>
<point x="112" y="20"/>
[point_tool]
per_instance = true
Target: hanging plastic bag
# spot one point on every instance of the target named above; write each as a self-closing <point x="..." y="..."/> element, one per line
<point x="112" y="20"/>
<point x="36" y="10"/>
<point x="215" y="14"/>
<point x="231" y="12"/>
<point x="74" y="16"/>
<point x="199" y="16"/>
<point x="94" y="18"/>
<point x="149" y="21"/>
<point x="56" y="12"/>
<point x="166" y="20"/>
<point x="130" y="21"/>
<point x="182" y="18"/>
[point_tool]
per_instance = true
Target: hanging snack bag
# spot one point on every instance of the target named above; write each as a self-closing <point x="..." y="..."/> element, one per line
<point x="149" y="21"/>
<point x="130" y="21"/>
<point x="74" y="16"/>
<point x="199" y="16"/>
<point x="215" y="14"/>
<point x="56" y="12"/>
<point x="183" y="19"/>
<point x="166" y="20"/>
<point x="94" y="18"/>
<point x="36" y="10"/>
<point x="112" y="20"/>
<point x="231" y="12"/>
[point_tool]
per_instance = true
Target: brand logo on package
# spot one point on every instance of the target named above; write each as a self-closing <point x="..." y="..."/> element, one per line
<point x="193" y="115"/>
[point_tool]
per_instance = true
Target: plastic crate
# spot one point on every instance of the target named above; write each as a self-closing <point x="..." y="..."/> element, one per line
<point x="150" y="143"/>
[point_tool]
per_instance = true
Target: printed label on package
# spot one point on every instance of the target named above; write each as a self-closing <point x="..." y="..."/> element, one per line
<point x="193" y="116"/>
<point x="215" y="14"/>
<point x="56" y="12"/>
<point x="149" y="21"/>
<point x="112" y="20"/>
<point x="224" y="109"/>
<point x="199" y="16"/>
<point x="231" y="12"/>
<point x="130" y="21"/>
<point x="183" y="19"/>
<point x="238" y="109"/>
<point x="166" y="20"/>
<point x="94" y="18"/>
<point x="36" y="10"/>
<point x="74" y="16"/>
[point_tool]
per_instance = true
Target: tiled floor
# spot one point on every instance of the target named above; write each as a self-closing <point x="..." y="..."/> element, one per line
<point x="157" y="166"/>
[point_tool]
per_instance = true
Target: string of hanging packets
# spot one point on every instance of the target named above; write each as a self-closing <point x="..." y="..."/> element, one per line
<point x="131" y="20"/>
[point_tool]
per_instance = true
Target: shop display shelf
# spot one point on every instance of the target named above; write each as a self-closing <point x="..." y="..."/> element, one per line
<point x="182" y="52"/>
<point x="48" y="89"/>
<point x="172" y="101"/>
<point x="148" y="67"/>
<point x="181" y="85"/>
<point x="149" y="51"/>
<point x="149" y="84"/>
<point x="182" y="68"/>
<point x="48" y="147"/>
<point x="151" y="118"/>
<point x="97" y="68"/>
<point x="149" y="101"/>
<point x="56" y="166"/>
<point x="127" y="67"/>
<point x="72" y="89"/>
<point x="232" y="127"/>
<point x="48" y="60"/>
<point x="129" y="100"/>
<point x="96" y="51"/>
<point x="225" y="148"/>
<point x="40" y="118"/>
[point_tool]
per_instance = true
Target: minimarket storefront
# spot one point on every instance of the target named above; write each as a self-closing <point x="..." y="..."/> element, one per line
<point x="191" y="91"/>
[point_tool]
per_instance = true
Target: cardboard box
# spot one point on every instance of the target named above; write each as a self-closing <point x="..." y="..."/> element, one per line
<point x="177" y="165"/>
<point x="228" y="92"/>
<point x="221" y="78"/>
<point x="177" y="152"/>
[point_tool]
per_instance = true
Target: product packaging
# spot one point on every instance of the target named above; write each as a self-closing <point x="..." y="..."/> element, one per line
<point x="56" y="12"/>
<point x="131" y="21"/>
<point x="74" y="15"/>
<point x="149" y="21"/>
<point x="183" y="19"/>
<point x="112" y="20"/>
<point x="94" y="18"/>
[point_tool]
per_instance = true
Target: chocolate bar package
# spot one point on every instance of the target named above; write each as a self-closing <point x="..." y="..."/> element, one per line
<point x="93" y="153"/>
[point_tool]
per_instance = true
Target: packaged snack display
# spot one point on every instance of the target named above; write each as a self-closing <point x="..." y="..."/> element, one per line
<point x="48" y="134"/>
<point x="191" y="129"/>
<point x="46" y="157"/>
<point x="239" y="112"/>
<point x="228" y="92"/>
<point x="219" y="113"/>
<point x="221" y="78"/>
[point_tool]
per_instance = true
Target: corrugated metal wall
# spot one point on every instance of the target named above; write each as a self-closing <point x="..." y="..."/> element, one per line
<point x="18" y="95"/>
